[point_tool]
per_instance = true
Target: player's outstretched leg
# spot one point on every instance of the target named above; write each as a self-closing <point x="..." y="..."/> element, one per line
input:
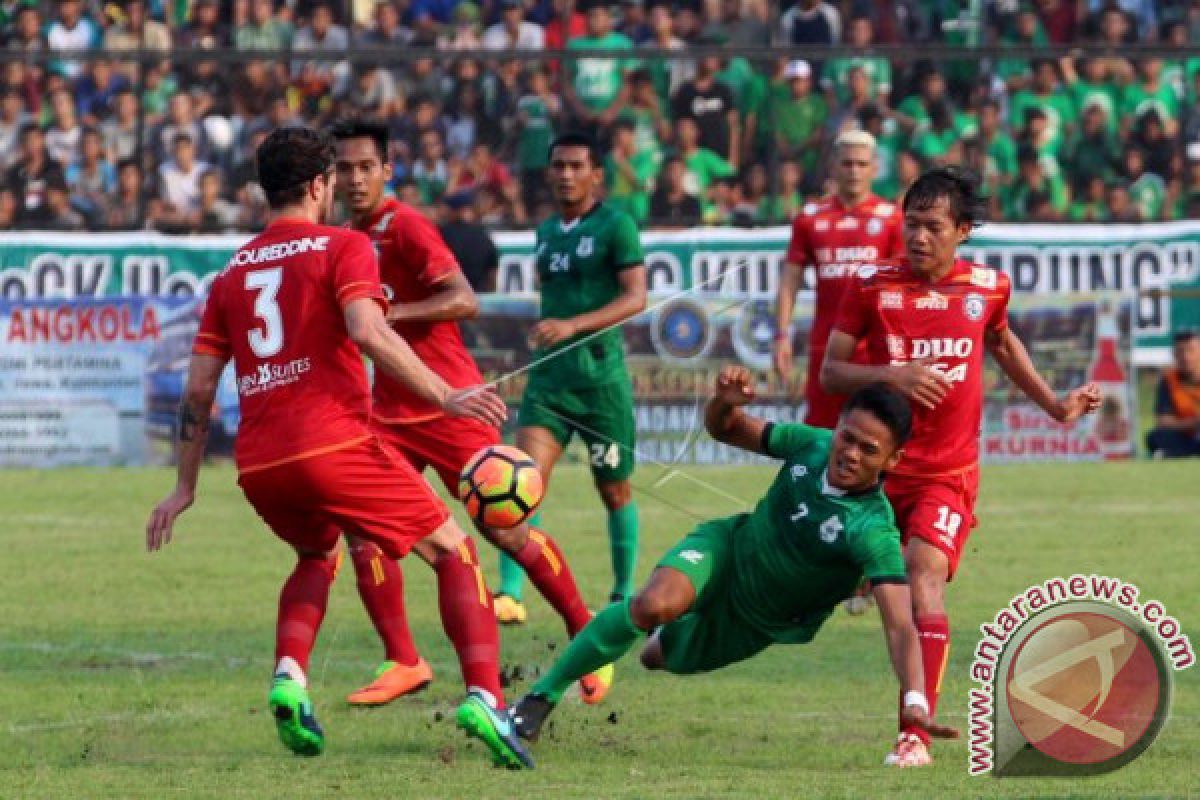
<point x="623" y="534"/>
<point x="381" y="587"/>
<point x="470" y="624"/>
<point x="302" y="604"/>
<point x="610" y="634"/>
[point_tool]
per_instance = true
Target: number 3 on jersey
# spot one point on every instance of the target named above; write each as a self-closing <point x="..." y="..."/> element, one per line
<point x="268" y="340"/>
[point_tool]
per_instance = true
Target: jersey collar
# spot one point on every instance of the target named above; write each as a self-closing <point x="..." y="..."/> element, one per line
<point x="386" y="206"/>
<point x="862" y="204"/>
<point x="829" y="490"/>
<point x="567" y="227"/>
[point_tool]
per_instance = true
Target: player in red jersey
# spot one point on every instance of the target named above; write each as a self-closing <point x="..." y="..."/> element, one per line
<point x="926" y="319"/>
<point x="833" y="235"/>
<point x="295" y="309"/>
<point x="428" y="295"/>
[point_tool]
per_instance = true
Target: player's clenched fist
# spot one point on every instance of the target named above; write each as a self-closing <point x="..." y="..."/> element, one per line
<point x="735" y="386"/>
<point x="478" y="402"/>
<point x="921" y="383"/>
<point x="550" y="332"/>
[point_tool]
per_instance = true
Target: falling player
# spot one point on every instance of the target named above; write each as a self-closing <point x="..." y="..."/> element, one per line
<point x="832" y="235"/>
<point x="295" y="309"/>
<point x="926" y="319"/>
<point x="589" y="263"/>
<point x="735" y="586"/>
<point x="428" y="294"/>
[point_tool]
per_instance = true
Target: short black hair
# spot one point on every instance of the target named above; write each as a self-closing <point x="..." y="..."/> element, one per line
<point x="578" y="139"/>
<point x="886" y="405"/>
<point x="371" y="128"/>
<point x="959" y="186"/>
<point x="288" y="159"/>
<point x="1185" y="335"/>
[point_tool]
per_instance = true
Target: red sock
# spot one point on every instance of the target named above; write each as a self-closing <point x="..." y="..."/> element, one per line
<point x="381" y="587"/>
<point x="469" y="619"/>
<point x="547" y="568"/>
<point x="933" y="633"/>
<point x="302" y="607"/>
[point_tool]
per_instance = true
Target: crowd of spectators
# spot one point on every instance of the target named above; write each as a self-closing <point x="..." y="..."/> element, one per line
<point x="90" y="139"/>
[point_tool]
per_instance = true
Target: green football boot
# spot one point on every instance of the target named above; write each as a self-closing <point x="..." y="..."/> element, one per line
<point x="494" y="729"/>
<point x="294" y="718"/>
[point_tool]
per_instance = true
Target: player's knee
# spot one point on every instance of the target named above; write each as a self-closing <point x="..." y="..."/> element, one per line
<point x="650" y="608"/>
<point x="510" y="541"/>
<point x="928" y="585"/>
<point x="615" y="494"/>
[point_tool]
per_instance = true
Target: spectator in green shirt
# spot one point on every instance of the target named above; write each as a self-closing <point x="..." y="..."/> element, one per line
<point x="629" y="173"/>
<point x="799" y="115"/>
<point x="1121" y="207"/>
<point x="1032" y="177"/>
<point x="1147" y="190"/>
<point x="913" y="110"/>
<point x="1149" y="92"/>
<point x="787" y="198"/>
<point x="1045" y="93"/>
<point x="887" y="150"/>
<point x="936" y="142"/>
<point x="595" y="87"/>
<point x="1000" y="151"/>
<point x="1090" y="205"/>
<point x="1095" y="87"/>
<point x="263" y="31"/>
<point x="703" y="165"/>
<point x="648" y="113"/>
<point x="1094" y="152"/>
<point x="538" y="112"/>
<point x="1027" y="31"/>
<point x="878" y="71"/>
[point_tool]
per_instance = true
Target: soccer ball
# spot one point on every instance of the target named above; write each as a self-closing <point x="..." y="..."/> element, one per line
<point x="500" y="486"/>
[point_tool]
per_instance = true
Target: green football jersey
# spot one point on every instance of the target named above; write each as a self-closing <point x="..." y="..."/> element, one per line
<point x="577" y="267"/>
<point x="806" y="545"/>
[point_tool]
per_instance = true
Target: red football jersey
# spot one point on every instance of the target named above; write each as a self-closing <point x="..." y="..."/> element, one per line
<point x="835" y="240"/>
<point x="276" y="309"/>
<point x="904" y="317"/>
<point x="413" y="258"/>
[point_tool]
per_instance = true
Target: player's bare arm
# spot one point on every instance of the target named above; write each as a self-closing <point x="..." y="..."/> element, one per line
<point x="452" y="299"/>
<point x="195" y="409"/>
<point x="914" y="379"/>
<point x="789" y="283"/>
<point x="630" y="302"/>
<point x="724" y="418"/>
<point x="369" y="329"/>
<point x="1014" y="360"/>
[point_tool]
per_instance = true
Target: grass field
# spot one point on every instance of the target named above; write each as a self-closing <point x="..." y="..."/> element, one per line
<point x="131" y="676"/>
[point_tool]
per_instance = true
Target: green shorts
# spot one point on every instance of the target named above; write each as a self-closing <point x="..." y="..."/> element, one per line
<point x="601" y="415"/>
<point x="713" y="634"/>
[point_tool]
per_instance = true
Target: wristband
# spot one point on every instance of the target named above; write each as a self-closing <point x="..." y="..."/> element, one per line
<point x="915" y="698"/>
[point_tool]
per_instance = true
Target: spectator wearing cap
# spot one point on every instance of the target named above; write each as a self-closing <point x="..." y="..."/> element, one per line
<point x="1147" y="190"/>
<point x="629" y="173"/>
<point x="263" y="30"/>
<point x="132" y="30"/>
<point x="472" y="245"/>
<point x="1149" y="92"/>
<point x="1176" y="432"/>
<point x="92" y="179"/>
<point x="835" y="78"/>
<point x="594" y="88"/>
<point x="96" y="89"/>
<point x="810" y="22"/>
<point x="1032" y="176"/>
<point x="513" y="31"/>
<point x="798" y="115"/>
<point x="672" y="205"/>
<point x="71" y="32"/>
<point x="710" y="103"/>
<point x="179" y="180"/>
<point x="667" y="75"/>
<point x="29" y="177"/>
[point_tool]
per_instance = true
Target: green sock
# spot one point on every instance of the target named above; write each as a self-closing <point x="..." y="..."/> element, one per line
<point x="623" y="542"/>
<point x="605" y="639"/>
<point x="512" y="577"/>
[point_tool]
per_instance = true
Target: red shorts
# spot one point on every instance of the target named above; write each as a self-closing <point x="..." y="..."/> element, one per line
<point x="938" y="510"/>
<point x="445" y="443"/>
<point x="366" y="490"/>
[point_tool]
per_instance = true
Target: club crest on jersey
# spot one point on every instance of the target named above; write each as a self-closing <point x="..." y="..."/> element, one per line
<point x="932" y="302"/>
<point x="821" y="225"/>
<point x="983" y="277"/>
<point x="847" y="224"/>
<point x="830" y="529"/>
<point x="891" y="301"/>
<point x="874" y="226"/>
<point x="973" y="306"/>
<point x="585" y="248"/>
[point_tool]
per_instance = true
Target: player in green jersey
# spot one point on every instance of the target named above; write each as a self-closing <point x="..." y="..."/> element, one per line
<point x="592" y="277"/>
<point x="734" y="586"/>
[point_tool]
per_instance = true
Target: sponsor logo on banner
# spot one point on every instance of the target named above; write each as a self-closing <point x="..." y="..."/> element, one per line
<point x="974" y="306"/>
